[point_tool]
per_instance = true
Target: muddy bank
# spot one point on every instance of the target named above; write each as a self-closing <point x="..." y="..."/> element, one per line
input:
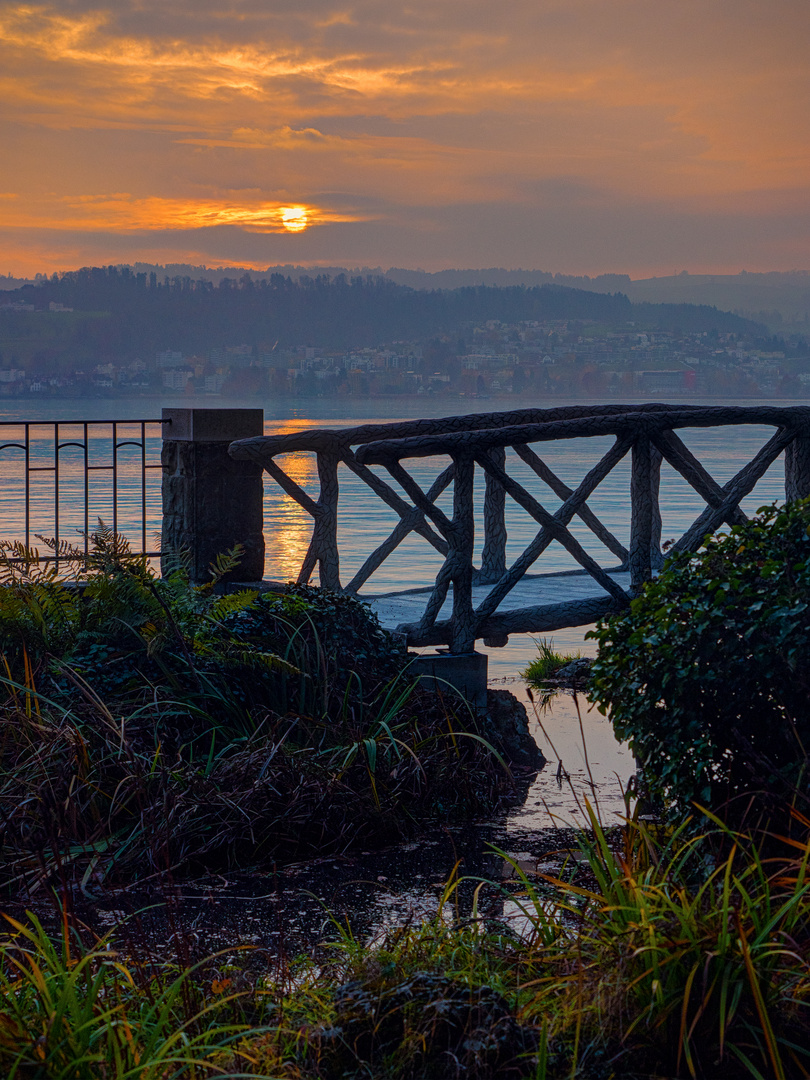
<point x="283" y="912"/>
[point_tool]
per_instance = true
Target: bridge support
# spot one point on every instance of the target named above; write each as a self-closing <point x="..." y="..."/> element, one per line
<point x="461" y="674"/>
<point x="797" y="468"/>
<point x="210" y="501"/>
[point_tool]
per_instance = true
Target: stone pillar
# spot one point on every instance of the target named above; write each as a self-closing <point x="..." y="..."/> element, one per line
<point x="210" y="501"/>
<point x="459" y="674"/>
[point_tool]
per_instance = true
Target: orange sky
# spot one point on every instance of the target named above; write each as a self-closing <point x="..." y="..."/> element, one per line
<point x="566" y="135"/>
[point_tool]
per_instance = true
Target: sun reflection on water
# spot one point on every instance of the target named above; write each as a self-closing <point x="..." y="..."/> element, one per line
<point x="287" y="525"/>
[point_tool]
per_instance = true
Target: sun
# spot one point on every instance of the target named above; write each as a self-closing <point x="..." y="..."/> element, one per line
<point x="294" y="218"/>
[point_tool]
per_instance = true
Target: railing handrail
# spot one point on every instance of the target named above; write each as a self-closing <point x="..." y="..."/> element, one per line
<point x="626" y="423"/>
<point x="645" y="432"/>
<point x="333" y="439"/>
<point x="41" y="444"/>
<point x="77" y="423"/>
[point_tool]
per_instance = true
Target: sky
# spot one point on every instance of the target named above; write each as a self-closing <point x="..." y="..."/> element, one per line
<point x="577" y="136"/>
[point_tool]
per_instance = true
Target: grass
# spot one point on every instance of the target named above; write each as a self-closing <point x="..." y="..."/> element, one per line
<point x="148" y="727"/>
<point x="653" y="953"/>
<point x="635" y="961"/>
<point x="547" y="662"/>
<point x="82" y="1012"/>
<point x="93" y="797"/>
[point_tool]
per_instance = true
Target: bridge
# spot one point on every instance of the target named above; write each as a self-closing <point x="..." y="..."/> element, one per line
<point x="482" y="604"/>
<point x="492" y="597"/>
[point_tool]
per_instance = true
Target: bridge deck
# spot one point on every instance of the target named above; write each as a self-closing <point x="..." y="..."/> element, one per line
<point x="395" y="608"/>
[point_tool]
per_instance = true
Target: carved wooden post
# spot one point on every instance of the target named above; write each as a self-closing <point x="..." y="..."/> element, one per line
<point x="797" y="467"/>
<point x="642" y="513"/>
<point x="460" y="555"/>
<point x="324" y="533"/>
<point x="493" y="555"/>
<point x="210" y="501"/>
<point x="656" y="556"/>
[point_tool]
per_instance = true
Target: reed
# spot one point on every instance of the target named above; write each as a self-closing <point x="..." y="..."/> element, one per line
<point x="654" y="953"/>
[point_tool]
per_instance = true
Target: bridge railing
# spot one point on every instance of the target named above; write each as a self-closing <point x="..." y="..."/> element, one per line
<point x="647" y="433"/>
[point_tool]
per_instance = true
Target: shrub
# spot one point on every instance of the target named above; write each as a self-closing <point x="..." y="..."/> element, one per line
<point x="152" y="725"/>
<point x="130" y="635"/>
<point x="707" y="673"/>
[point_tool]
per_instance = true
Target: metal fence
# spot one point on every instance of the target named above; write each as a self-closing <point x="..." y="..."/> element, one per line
<point x="58" y="477"/>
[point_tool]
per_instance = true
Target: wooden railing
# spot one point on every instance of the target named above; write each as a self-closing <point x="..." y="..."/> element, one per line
<point x="646" y="432"/>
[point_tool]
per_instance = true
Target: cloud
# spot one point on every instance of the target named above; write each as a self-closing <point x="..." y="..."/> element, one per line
<point x="694" y="108"/>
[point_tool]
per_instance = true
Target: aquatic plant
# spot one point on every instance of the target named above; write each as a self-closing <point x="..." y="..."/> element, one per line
<point x="547" y="662"/>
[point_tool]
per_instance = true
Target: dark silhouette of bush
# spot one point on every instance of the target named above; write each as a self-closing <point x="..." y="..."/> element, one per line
<point x="707" y="673"/>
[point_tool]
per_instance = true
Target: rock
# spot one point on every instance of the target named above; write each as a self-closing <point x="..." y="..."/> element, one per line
<point x="507" y="728"/>
<point x="425" y="1026"/>
<point x="574" y="674"/>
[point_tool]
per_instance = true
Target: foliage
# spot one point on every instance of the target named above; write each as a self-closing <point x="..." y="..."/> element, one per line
<point x="546" y="663"/>
<point x="84" y="1013"/>
<point x="707" y="673"/>
<point x="128" y="633"/>
<point x="673" y="967"/>
<point x="703" y="968"/>
<point x="638" y="958"/>
<point x="151" y="726"/>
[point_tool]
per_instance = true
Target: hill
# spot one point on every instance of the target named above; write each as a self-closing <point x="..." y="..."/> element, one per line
<point x="95" y="314"/>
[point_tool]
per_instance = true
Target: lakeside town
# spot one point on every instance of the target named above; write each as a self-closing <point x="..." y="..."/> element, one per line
<point x="556" y="358"/>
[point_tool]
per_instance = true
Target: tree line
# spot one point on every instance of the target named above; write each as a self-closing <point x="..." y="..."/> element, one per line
<point x="125" y="314"/>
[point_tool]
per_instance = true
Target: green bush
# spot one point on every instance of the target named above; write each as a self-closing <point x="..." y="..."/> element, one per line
<point x="707" y="673"/>
<point x="130" y="636"/>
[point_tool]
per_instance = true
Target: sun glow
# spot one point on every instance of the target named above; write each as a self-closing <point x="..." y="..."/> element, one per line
<point x="294" y="218"/>
<point x="126" y="213"/>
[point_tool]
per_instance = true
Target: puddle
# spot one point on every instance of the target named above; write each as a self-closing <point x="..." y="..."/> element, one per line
<point x="584" y="762"/>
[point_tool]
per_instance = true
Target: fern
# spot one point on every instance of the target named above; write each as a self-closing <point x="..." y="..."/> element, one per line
<point x="235" y="654"/>
<point x="231" y="604"/>
<point x="225" y="563"/>
<point x="20" y="563"/>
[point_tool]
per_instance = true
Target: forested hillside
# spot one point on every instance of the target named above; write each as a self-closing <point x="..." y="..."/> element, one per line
<point x="116" y="313"/>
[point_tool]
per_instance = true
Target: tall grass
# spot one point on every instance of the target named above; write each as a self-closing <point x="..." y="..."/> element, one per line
<point x="88" y="796"/>
<point x="652" y="953"/>
<point x="691" y="964"/>
<point x="83" y="1013"/>
<point x="149" y="726"/>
